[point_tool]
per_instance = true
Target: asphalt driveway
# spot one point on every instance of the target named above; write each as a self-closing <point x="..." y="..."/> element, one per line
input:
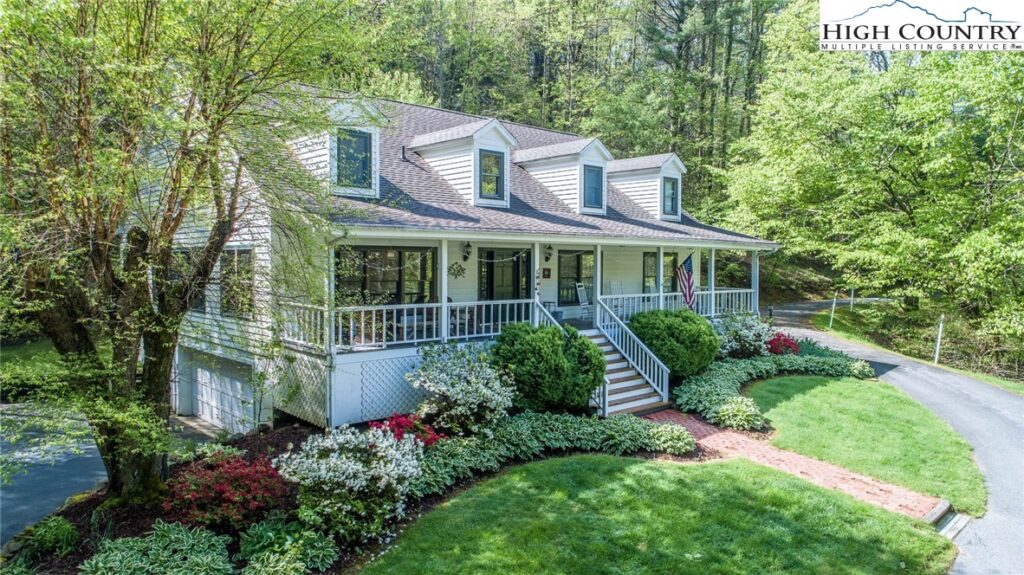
<point x="989" y="418"/>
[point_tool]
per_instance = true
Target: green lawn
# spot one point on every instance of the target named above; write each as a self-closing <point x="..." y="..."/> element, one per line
<point x="857" y="326"/>
<point x="873" y="428"/>
<point x="611" y="515"/>
<point x="39" y="350"/>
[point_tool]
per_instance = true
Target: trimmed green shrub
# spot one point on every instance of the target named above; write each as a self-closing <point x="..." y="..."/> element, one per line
<point x="707" y="392"/>
<point x="171" y="549"/>
<point x="552" y="370"/>
<point x="529" y="435"/>
<point x="684" y="341"/>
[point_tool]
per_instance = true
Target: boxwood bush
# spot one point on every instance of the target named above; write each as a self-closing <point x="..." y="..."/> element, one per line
<point x="531" y="435"/>
<point x="552" y="370"/>
<point x="682" y="340"/>
<point x="709" y="392"/>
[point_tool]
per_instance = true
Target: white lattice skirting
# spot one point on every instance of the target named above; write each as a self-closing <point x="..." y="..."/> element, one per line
<point x="372" y="385"/>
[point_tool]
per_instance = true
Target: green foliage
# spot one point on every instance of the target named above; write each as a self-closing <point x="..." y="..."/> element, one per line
<point x="900" y="170"/>
<point x="708" y="392"/>
<point x="54" y="535"/>
<point x="287" y="562"/>
<point x="289" y="540"/>
<point x="552" y="370"/>
<point x="739" y="412"/>
<point x="171" y="549"/>
<point x="25" y="381"/>
<point x="206" y="450"/>
<point x="683" y="340"/>
<point x="531" y="435"/>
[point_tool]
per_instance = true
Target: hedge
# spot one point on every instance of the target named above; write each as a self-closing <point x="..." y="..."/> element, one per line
<point x="707" y="392"/>
<point x="531" y="435"/>
<point x="684" y="341"/>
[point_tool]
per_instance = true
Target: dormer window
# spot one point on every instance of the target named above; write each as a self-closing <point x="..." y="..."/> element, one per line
<point x="670" y="196"/>
<point x="491" y="175"/>
<point x="593" y="187"/>
<point x="355" y="160"/>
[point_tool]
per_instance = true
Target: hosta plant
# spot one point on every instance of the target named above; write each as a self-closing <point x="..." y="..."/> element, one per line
<point x="171" y="549"/>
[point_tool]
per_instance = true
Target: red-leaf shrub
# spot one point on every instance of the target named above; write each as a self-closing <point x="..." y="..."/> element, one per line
<point x="781" y="343"/>
<point x="399" y="424"/>
<point x="226" y="491"/>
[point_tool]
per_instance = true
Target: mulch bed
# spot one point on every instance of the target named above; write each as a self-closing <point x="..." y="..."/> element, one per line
<point x="136" y="520"/>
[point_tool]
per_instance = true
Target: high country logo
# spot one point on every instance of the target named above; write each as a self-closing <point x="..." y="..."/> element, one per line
<point x="866" y="25"/>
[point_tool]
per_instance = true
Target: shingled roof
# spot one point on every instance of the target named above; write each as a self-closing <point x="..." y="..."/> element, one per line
<point x="414" y="196"/>
<point x="641" y="163"/>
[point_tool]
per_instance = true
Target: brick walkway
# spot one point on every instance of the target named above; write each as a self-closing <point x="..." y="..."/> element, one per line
<point x="730" y="443"/>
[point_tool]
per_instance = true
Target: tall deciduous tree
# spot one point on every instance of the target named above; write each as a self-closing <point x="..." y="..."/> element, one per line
<point x="123" y="121"/>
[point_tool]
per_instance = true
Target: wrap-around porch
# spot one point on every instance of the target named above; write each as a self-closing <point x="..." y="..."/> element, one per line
<point x="392" y="294"/>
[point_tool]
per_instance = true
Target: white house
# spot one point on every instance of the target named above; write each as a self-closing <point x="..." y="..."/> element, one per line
<point x="462" y="225"/>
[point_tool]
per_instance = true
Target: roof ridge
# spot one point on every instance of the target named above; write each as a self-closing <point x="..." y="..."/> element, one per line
<point x="461" y="113"/>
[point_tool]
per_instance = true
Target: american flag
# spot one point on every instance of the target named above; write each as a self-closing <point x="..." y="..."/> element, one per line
<point x="684" y="274"/>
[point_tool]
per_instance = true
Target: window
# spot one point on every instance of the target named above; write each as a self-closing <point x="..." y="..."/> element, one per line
<point x="670" y="196"/>
<point x="355" y="159"/>
<point x="236" y="283"/>
<point x="504" y="274"/>
<point x="181" y="265"/>
<point x="668" y="280"/>
<point x="491" y="175"/>
<point x="384" y="276"/>
<point x="593" y="187"/>
<point x="573" y="268"/>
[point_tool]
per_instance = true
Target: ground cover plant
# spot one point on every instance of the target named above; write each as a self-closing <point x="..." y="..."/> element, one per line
<point x="608" y="515"/>
<point x="684" y="341"/>
<point x="713" y="392"/>
<point x="873" y="428"/>
<point x="553" y="369"/>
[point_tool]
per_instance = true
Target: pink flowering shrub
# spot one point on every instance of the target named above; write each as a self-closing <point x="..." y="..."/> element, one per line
<point x="399" y="424"/>
<point x="225" y="491"/>
<point x="781" y="343"/>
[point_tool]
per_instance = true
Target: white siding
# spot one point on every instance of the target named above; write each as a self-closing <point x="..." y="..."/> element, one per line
<point x="561" y="177"/>
<point x="643" y="187"/>
<point x="455" y="165"/>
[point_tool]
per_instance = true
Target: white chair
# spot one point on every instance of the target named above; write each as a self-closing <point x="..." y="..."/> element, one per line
<point x="581" y="294"/>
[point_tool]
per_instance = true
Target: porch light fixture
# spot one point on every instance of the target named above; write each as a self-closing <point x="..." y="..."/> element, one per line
<point x="548" y="252"/>
<point x="467" y="250"/>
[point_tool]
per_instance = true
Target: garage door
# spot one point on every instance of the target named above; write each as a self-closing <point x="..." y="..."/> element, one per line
<point x="220" y="389"/>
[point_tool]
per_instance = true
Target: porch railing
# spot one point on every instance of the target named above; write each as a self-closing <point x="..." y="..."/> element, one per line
<point x="734" y="300"/>
<point x="629" y="345"/>
<point x="544" y="317"/>
<point x="370" y="327"/>
<point x="727" y="301"/>
<point x="626" y="306"/>
<point x="304" y="325"/>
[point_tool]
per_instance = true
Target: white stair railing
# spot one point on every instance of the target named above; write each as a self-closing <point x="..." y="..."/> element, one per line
<point x="652" y="369"/>
<point x="544" y="317"/>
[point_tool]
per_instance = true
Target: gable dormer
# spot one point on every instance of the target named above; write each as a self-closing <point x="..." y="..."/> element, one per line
<point x="574" y="171"/>
<point x="474" y="158"/>
<point x="653" y="182"/>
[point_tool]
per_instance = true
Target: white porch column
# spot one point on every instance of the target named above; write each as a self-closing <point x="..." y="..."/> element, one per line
<point x="535" y="258"/>
<point x="661" y="277"/>
<point x="711" y="282"/>
<point x="443" y="272"/>
<point x="330" y="302"/>
<point x="755" y="280"/>
<point x="597" y="274"/>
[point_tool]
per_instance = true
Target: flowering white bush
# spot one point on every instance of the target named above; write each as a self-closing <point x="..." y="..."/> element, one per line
<point x="467" y="393"/>
<point x="353" y="484"/>
<point x="743" y="335"/>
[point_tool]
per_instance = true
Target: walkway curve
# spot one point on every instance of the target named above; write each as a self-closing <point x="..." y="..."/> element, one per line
<point x="991" y="419"/>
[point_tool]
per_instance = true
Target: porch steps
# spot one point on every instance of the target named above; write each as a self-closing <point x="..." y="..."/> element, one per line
<point x="628" y="392"/>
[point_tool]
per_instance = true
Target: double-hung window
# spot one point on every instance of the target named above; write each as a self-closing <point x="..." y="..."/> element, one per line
<point x="669" y="263"/>
<point x="236" y="283"/>
<point x="593" y="187"/>
<point x="491" y="175"/>
<point x="670" y="196"/>
<point x="182" y="263"/>
<point x="355" y="159"/>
